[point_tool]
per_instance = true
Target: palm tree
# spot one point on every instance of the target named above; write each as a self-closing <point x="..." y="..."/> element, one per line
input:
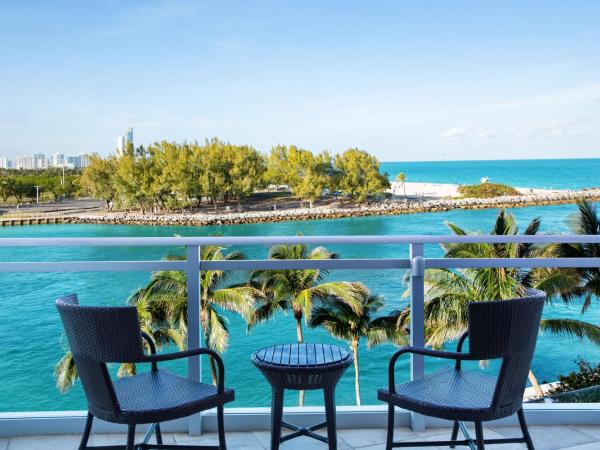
<point x="401" y="178"/>
<point x="163" y="303"/>
<point x="298" y="290"/>
<point x="162" y="310"/>
<point x="344" y="322"/>
<point x="578" y="282"/>
<point x="448" y="292"/>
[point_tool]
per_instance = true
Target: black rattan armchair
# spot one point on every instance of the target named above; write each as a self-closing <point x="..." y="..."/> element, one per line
<point x="101" y="335"/>
<point x="505" y="330"/>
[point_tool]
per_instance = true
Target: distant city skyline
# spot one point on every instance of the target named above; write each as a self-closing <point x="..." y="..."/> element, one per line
<point x="406" y="81"/>
<point x="39" y="161"/>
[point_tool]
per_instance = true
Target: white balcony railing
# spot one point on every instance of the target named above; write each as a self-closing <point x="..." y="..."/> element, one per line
<point x="258" y="418"/>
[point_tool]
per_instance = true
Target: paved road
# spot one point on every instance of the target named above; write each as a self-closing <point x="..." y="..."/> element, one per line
<point x="58" y="207"/>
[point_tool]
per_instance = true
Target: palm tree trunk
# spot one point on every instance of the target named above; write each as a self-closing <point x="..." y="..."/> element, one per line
<point x="356" y="372"/>
<point x="535" y="384"/>
<point x="298" y="317"/>
<point x="299" y="332"/>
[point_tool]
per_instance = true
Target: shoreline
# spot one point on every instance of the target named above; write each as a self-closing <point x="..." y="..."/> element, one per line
<point x="389" y="207"/>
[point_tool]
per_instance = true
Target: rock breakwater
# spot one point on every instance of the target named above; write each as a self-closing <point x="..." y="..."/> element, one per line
<point x="390" y="207"/>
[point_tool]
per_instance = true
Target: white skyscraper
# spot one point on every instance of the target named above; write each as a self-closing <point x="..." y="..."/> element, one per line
<point x="3" y="162"/>
<point x="24" y="162"/>
<point x="120" y="145"/>
<point x="84" y="160"/>
<point x="124" y="141"/>
<point x="40" y="161"/>
<point x="57" y="160"/>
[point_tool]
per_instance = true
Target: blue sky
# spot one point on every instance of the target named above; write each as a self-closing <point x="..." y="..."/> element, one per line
<point x="420" y="80"/>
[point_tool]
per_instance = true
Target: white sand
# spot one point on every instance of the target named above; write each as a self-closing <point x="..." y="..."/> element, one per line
<point x="442" y="190"/>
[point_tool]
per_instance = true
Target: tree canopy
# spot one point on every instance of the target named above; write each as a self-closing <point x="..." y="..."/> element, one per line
<point x="169" y="175"/>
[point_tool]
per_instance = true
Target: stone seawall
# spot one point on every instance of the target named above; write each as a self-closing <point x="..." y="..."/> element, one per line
<point x="385" y="208"/>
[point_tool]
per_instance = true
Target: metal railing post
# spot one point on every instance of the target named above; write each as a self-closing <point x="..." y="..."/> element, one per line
<point x="417" y="320"/>
<point x="193" y="340"/>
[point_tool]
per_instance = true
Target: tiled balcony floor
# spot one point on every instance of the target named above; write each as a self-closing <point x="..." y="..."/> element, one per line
<point x="545" y="438"/>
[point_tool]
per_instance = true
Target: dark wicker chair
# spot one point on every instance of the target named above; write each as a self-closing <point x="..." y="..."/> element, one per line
<point x="505" y="330"/>
<point x="101" y="335"/>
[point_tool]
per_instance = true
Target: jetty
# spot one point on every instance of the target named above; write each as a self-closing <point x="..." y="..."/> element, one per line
<point x="42" y="220"/>
<point x="388" y="207"/>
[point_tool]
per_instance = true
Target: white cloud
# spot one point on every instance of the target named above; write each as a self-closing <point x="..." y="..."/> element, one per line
<point x="466" y="132"/>
<point x="558" y="130"/>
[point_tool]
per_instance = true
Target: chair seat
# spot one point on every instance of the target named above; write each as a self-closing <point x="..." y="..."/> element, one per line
<point x="163" y="395"/>
<point x="448" y="394"/>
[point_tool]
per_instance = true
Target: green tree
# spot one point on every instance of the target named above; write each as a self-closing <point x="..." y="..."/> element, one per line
<point x="215" y="176"/>
<point x="306" y="175"/>
<point x="98" y="179"/>
<point x="299" y="290"/>
<point x="134" y="179"/>
<point x="177" y="172"/>
<point x="448" y="292"/>
<point x="343" y="322"/>
<point x="357" y="174"/>
<point x="7" y="187"/>
<point x="247" y="170"/>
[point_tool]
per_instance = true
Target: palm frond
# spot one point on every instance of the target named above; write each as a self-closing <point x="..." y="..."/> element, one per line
<point x="65" y="373"/>
<point x="571" y="327"/>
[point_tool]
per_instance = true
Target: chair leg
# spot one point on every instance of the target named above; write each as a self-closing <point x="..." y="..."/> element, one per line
<point x="330" y="417"/>
<point x="86" y="431"/>
<point x="390" y="427"/>
<point x="479" y="436"/>
<point x="158" y="433"/>
<point x="276" y="417"/>
<point x="221" y="427"/>
<point x="131" y="437"/>
<point x="454" y="433"/>
<point x="525" y="430"/>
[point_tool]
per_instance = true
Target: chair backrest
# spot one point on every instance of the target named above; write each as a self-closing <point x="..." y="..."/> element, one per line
<point x="100" y="335"/>
<point x="507" y="329"/>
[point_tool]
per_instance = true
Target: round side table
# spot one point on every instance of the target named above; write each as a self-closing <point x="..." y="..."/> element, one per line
<point x="302" y="367"/>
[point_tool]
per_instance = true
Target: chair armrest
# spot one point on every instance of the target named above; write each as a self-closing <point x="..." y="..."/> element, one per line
<point x="150" y="342"/>
<point x="152" y="346"/>
<point x="461" y="341"/>
<point x="154" y="358"/>
<point x="425" y="352"/>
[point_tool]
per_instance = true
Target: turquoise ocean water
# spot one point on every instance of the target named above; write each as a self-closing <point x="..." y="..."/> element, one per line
<point x="31" y="333"/>
<point x="546" y="174"/>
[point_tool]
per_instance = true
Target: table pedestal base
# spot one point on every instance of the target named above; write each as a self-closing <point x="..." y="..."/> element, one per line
<point x="299" y="431"/>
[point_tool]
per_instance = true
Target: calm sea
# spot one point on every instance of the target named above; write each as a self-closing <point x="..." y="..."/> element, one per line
<point x="31" y="333"/>
<point x="535" y="173"/>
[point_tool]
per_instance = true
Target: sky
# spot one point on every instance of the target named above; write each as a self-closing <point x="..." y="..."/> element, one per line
<point x="406" y="81"/>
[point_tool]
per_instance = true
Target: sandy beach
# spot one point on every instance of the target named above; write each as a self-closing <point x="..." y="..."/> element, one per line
<point x="440" y="190"/>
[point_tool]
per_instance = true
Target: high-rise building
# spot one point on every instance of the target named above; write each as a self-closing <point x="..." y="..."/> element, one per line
<point x="124" y="141"/>
<point x="84" y="160"/>
<point x="120" y="145"/>
<point x="129" y="136"/>
<point x="40" y="161"/>
<point x="57" y="160"/>
<point x="25" y="162"/>
<point x="72" y="162"/>
<point x="3" y="162"/>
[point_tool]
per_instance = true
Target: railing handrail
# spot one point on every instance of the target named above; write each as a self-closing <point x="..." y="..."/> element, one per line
<point x="416" y="262"/>
<point x="310" y="240"/>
